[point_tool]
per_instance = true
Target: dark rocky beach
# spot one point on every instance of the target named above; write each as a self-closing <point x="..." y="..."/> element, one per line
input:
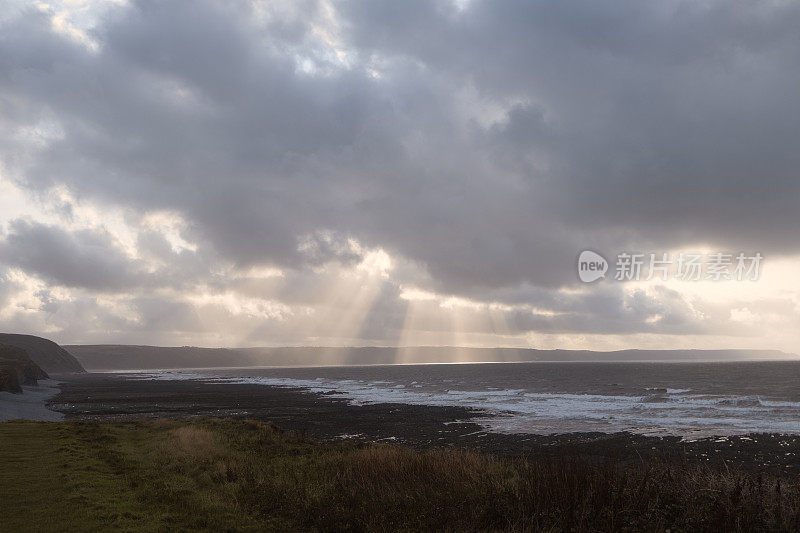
<point x="330" y="417"/>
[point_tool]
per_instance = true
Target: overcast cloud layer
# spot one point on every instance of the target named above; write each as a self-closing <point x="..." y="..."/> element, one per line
<point x="236" y="173"/>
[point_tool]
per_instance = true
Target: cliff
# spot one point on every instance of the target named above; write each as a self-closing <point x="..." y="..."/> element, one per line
<point x="17" y="369"/>
<point x="48" y="355"/>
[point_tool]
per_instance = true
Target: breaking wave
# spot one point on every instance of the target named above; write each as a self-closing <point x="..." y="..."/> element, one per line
<point x="660" y="411"/>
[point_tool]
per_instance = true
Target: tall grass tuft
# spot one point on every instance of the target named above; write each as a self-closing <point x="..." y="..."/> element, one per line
<point x="377" y="486"/>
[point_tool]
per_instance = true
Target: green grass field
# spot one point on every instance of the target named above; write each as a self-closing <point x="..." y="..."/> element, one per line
<point x="226" y="475"/>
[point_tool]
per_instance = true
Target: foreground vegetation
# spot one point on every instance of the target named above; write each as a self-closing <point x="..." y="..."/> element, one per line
<point x="242" y="475"/>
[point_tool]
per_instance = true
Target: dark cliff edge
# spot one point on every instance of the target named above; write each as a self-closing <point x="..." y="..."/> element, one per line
<point x="17" y="369"/>
<point x="48" y="355"/>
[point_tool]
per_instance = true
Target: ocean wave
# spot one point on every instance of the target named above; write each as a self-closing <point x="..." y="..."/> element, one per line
<point x="663" y="411"/>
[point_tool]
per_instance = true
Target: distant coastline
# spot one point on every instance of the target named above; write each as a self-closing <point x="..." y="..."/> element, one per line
<point x="108" y="357"/>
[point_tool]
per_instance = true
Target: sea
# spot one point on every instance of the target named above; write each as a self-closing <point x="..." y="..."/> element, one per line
<point x="691" y="400"/>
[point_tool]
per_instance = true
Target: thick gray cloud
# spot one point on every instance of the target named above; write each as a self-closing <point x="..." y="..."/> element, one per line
<point x="671" y="119"/>
<point x="485" y="142"/>
<point x="81" y="259"/>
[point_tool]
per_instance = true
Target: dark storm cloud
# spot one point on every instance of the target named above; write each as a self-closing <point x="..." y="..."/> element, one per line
<point x="670" y="121"/>
<point x="94" y="259"/>
<point x="81" y="259"/>
<point x="489" y="143"/>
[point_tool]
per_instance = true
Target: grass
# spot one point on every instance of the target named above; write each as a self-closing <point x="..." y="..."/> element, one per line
<point x="227" y="475"/>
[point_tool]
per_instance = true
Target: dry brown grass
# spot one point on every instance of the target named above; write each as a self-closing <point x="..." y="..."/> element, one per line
<point x="196" y="443"/>
<point x="227" y="475"/>
<point x="379" y="486"/>
<point x="462" y="489"/>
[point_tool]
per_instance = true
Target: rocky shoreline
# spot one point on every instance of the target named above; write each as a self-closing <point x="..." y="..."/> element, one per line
<point x="330" y="417"/>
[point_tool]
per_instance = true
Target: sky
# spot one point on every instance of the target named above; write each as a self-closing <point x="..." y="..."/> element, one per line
<point x="388" y="173"/>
